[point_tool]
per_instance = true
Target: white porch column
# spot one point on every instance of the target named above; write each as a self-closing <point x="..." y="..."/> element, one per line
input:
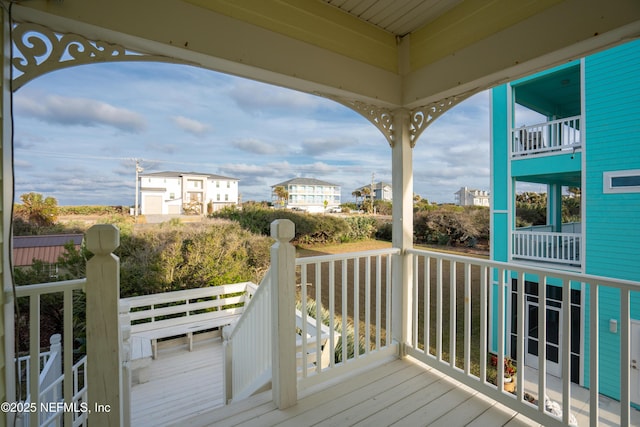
<point x="402" y="181"/>
<point x="104" y="373"/>
<point x="283" y="308"/>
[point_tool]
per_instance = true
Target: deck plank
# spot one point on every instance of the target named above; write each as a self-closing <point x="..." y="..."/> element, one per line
<point x="495" y="415"/>
<point x="185" y="390"/>
<point x="392" y="413"/>
<point x="453" y="399"/>
<point x="378" y="400"/>
<point x="182" y="383"/>
<point x="318" y="406"/>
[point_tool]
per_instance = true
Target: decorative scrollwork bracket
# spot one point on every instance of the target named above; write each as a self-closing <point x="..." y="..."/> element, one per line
<point x="420" y="118"/>
<point x="38" y="50"/>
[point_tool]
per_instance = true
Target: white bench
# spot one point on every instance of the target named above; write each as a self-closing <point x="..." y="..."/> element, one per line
<point x="326" y="353"/>
<point x="180" y="313"/>
<point x="141" y="355"/>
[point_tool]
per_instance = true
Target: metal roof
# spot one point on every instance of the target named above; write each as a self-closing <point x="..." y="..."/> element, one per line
<point x="46" y="248"/>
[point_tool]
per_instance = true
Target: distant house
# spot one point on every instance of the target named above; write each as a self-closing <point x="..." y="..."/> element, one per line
<point x="469" y="197"/>
<point x="185" y="193"/>
<point x="46" y="248"/>
<point x="307" y="194"/>
<point x="381" y="191"/>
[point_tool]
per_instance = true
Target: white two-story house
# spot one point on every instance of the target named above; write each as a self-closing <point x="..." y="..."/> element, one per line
<point x="470" y="197"/>
<point x="185" y="193"/>
<point x="308" y="194"/>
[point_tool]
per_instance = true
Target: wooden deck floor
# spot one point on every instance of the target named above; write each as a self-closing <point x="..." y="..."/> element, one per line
<point x="182" y="384"/>
<point x="398" y="393"/>
<point x="185" y="389"/>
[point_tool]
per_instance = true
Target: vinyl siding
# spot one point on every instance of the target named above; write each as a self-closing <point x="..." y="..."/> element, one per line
<point x="612" y="143"/>
<point x="612" y="87"/>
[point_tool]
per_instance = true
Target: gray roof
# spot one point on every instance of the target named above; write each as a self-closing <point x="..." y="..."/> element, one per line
<point x="46" y="240"/>
<point x="304" y="181"/>
<point x="376" y="186"/>
<point x="174" y="174"/>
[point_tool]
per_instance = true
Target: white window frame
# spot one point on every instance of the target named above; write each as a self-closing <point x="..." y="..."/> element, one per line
<point x="607" y="180"/>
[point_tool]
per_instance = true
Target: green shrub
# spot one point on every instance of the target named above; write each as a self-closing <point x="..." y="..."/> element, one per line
<point x="452" y="225"/>
<point x="360" y="228"/>
<point x="174" y="257"/>
<point x="310" y="228"/>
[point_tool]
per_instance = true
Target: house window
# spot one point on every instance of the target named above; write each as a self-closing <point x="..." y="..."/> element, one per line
<point x="228" y="184"/>
<point x="218" y="197"/>
<point x="194" y="183"/>
<point x="226" y="197"/>
<point x="621" y="181"/>
<point x="217" y="184"/>
<point x="172" y="196"/>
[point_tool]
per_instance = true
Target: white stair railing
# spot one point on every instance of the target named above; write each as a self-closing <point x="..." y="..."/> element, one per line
<point x="34" y="294"/>
<point x="247" y="345"/>
<point x="69" y="389"/>
<point x="262" y="343"/>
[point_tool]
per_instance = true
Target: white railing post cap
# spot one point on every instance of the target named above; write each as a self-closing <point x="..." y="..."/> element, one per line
<point x="283" y="229"/>
<point x="55" y="339"/>
<point x="103" y="239"/>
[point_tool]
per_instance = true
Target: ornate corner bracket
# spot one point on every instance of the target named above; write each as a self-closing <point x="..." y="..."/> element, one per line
<point x="39" y="50"/>
<point x="380" y="117"/>
<point x="420" y="118"/>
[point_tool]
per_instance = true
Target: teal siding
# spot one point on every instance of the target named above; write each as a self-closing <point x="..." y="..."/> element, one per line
<point x="612" y="108"/>
<point x="612" y="104"/>
<point x="611" y="119"/>
<point x="557" y="164"/>
<point x="500" y="171"/>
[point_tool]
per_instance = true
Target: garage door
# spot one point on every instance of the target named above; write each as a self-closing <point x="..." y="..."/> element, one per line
<point x="152" y="205"/>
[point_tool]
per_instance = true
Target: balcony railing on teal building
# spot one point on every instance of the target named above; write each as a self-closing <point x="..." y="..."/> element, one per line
<point x="553" y="136"/>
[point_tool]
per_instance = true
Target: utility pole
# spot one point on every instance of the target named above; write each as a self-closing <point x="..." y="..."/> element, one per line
<point x="139" y="169"/>
<point x="373" y="193"/>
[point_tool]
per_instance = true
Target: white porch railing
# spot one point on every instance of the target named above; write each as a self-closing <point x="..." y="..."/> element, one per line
<point x="80" y="392"/>
<point x="486" y="281"/>
<point x="326" y="342"/>
<point x="355" y="294"/>
<point x="553" y="136"/>
<point x="43" y="384"/>
<point x="562" y="248"/>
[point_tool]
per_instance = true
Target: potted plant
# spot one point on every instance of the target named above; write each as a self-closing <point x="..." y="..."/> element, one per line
<point x="510" y="370"/>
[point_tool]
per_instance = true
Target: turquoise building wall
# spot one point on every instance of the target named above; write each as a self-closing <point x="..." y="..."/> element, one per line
<point x="611" y="121"/>
<point x="612" y="110"/>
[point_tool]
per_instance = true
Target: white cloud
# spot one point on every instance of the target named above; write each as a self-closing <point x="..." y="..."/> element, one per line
<point x="257" y="97"/>
<point x="255" y="146"/>
<point x="190" y="125"/>
<point x="79" y="111"/>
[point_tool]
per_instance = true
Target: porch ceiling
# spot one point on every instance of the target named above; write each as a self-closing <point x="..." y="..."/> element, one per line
<point x="383" y="52"/>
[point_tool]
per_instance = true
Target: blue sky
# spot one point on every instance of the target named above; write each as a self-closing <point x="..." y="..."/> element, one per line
<point x="78" y="131"/>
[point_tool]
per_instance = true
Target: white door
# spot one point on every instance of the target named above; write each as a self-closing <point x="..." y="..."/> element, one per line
<point x="635" y="362"/>
<point x="554" y="338"/>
